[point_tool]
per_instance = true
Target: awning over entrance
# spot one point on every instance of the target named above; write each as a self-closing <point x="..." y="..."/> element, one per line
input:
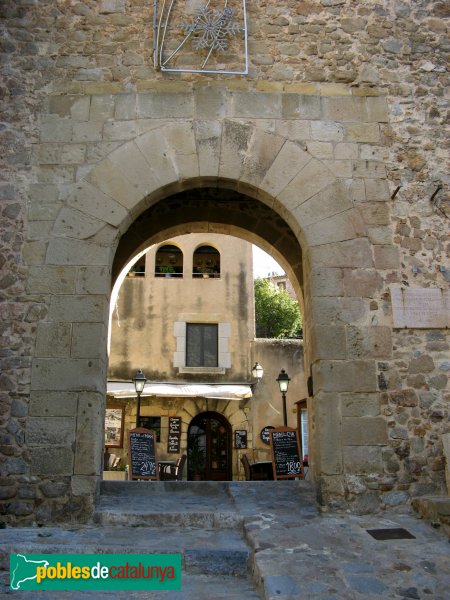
<point x="201" y="390"/>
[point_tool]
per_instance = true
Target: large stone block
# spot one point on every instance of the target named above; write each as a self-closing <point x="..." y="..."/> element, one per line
<point x="262" y="151"/>
<point x="132" y="163"/>
<point x="50" y="431"/>
<point x="328" y="342"/>
<point x="162" y="105"/>
<point x="55" y="129"/>
<point x="327" y="421"/>
<point x="68" y="374"/>
<point x="352" y="253"/>
<point x="345" y="376"/>
<point x="158" y="155"/>
<point x="386" y="257"/>
<point x="76" y="107"/>
<point x="110" y="181"/>
<point x="51" y="280"/>
<point x="363" y="460"/>
<point x="338" y="311"/>
<point x="93" y="280"/>
<point x="90" y="426"/>
<point x="256" y="105"/>
<point x="364" y="283"/>
<point x="88" y="340"/>
<point x="343" y="226"/>
<point x="235" y="140"/>
<point x="364" y="431"/>
<point x="180" y="138"/>
<point x="53" y="404"/>
<point x="369" y="342"/>
<point x="52" y="460"/>
<point x="344" y="109"/>
<point x="210" y="102"/>
<point x="360" y="405"/>
<point x="84" y="485"/>
<point x="312" y="179"/>
<point x="53" y="340"/>
<point x="90" y="200"/>
<point x="362" y="133"/>
<point x="289" y="161"/>
<point x="327" y="282"/>
<point x="75" y="224"/>
<point x="76" y="252"/>
<point x="208" y="138"/>
<point x="80" y="309"/>
<point x="295" y="106"/>
<point x="333" y="200"/>
<point x="327" y="131"/>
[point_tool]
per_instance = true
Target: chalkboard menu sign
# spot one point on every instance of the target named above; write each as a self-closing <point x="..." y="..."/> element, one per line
<point x="240" y="439"/>
<point x="142" y="449"/>
<point x="285" y="453"/>
<point x="173" y="440"/>
<point x="265" y="434"/>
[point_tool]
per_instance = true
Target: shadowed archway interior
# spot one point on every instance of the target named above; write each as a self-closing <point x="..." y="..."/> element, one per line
<point x="215" y="207"/>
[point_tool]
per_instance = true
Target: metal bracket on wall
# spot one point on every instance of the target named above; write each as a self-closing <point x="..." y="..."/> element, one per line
<point x="200" y="36"/>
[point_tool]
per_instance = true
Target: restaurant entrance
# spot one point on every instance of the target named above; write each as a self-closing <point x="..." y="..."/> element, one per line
<point x="209" y="448"/>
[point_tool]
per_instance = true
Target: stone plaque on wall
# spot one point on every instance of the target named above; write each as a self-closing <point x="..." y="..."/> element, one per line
<point x="420" y="308"/>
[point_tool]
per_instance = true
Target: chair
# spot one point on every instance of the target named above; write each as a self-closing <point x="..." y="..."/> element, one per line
<point x="172" y="472"/>
<point x="251" y="472"/>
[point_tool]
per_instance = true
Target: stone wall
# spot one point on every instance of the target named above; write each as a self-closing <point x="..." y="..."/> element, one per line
<point x="68" y="74"/>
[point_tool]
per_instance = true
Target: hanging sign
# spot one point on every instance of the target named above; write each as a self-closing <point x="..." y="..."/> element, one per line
<point x="142" y="450"/>
<point x="265" y="434"/>
<point x="285" y="449"/>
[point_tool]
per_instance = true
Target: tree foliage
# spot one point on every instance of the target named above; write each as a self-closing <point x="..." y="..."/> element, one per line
<point x="277" y="315"/>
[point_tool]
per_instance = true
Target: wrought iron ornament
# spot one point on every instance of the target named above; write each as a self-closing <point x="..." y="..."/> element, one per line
<point x="212" y="35"/>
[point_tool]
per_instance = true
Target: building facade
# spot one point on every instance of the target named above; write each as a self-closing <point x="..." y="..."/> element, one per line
<point x="184" y="313"/>
<point x="330" y="152"/>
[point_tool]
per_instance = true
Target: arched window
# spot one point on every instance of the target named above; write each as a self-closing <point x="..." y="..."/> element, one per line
<point x="206" y="262"/>
<point x="138" y="269"/>
<point x="169" y="261"/>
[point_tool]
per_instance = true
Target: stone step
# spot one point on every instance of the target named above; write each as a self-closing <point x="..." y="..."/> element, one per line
<point x="167" y="504"/>
<point x="194" y="587"/>
<point x="204" y="551"/>
<point x="435" y="510"/>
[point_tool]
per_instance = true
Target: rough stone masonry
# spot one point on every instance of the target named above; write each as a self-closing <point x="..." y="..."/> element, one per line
<point x="340" y="125"/>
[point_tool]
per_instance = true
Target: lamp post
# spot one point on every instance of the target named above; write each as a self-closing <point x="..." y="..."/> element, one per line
<point x="283" y="380"/>
<point x="139" y="384"/>
<point x="257" y="372"/>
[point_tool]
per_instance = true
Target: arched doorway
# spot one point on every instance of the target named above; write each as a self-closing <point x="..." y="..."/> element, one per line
<point x="209" y="448"/>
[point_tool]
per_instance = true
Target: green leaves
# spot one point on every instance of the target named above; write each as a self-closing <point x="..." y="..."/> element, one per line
<point x="277" y="315"/>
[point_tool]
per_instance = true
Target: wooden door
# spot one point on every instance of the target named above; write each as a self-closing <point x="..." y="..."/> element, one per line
<point x="209" y="448"/>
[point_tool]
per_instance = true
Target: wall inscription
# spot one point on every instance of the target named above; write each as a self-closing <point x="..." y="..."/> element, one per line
<point x="420" y="308"/>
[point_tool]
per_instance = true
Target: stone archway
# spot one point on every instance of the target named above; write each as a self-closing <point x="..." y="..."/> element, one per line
<point x="312" y="198"/>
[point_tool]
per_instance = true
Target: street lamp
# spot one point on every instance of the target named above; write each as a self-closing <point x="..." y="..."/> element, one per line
<point x="283" y="380"/>
<point x="257" y="372"/>
<point x="139" y="384"/>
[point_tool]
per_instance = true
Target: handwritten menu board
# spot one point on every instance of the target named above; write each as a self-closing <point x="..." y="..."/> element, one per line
<point x="173" y="439"/>
<point x="240" y="439"/>
<point x="285" y="449"/>
<point x="142" y="450"/>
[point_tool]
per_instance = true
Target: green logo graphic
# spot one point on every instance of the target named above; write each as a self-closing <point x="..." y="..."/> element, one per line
<point x="95" y="571"/>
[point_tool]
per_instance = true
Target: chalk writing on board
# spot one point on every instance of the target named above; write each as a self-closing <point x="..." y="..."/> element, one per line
<point x="285" y="453"/>
<point x="173" y="444"/>
<point x="142" y="445"/>
<point x="175" y="425"/>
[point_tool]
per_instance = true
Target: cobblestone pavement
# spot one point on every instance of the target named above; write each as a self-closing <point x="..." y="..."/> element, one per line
<point x="270" y="542"/>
